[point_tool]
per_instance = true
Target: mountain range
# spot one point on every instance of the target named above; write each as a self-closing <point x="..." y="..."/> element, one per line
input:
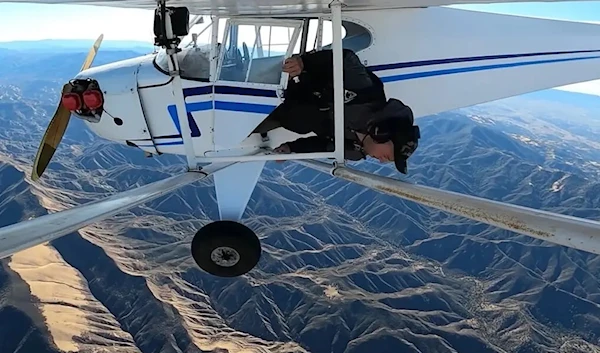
<point x="344" y="269"/>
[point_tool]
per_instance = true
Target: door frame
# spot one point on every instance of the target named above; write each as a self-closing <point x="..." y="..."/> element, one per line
<point x="296" y="24"/>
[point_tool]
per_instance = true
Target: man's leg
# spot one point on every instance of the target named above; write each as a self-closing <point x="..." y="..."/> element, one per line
<point x="271" y="122"/>
<point x="303" y="119"/>
<point x="299" y="118"/>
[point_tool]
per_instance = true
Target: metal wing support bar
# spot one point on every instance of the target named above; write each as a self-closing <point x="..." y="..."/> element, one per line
<point x="174" y="72"/>
<point x="338" y="81"/>
<point x="21" y="236"/>
<point x="573" y="232"/>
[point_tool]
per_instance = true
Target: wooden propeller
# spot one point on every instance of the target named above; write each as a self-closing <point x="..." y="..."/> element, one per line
<point x="58" y="125"/>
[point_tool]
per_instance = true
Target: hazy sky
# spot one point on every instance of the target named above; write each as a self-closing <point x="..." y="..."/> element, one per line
<point x="38" y="21"/>
<point x="41" y="21"/>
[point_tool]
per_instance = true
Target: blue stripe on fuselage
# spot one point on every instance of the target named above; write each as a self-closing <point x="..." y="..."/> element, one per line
<point x="219" y="105"/>
<point x="246" y="91"/>
<point x="197" y="91"/>
<point x="421" y="63"/>
<point x="422" y="74"/>
<point x="173" y="143"/>
<point x="244" y="107"/>
<point x="236" y="91"/>
<point x="189" y="107"/>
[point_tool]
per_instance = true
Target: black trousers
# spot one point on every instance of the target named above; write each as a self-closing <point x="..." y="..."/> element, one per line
<point x="303" y="118"/>
<point x="299" y="118"/>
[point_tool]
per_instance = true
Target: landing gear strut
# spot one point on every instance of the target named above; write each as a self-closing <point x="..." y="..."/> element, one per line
<point x="226" y="249"/>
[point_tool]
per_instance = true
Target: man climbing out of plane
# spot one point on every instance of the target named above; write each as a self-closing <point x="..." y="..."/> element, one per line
<point x="372" y="126"/>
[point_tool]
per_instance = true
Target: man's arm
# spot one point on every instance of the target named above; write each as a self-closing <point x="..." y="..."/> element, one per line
<point x="311" y="144"/>
<point x="319" y="144"/>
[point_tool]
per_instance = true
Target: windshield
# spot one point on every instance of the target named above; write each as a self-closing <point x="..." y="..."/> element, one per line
<point x="194" y="62"/>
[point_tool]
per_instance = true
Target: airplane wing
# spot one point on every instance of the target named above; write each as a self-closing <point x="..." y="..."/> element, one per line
<point x="271" y="7"/>
<point x="462" y="58"/>
<point x="573" y="232"/>
<point x="26" y="234"/>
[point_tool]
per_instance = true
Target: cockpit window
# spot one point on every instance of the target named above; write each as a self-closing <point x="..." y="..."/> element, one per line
<point x="194" y="62"/>
<point x="255" y="52"/>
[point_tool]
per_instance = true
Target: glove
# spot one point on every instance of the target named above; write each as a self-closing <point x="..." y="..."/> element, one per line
<point x="283" y="149"/>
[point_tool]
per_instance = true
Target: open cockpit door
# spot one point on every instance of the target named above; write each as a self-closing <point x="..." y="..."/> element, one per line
<point x="249" y="86"/>
<point x="250" y="78"/>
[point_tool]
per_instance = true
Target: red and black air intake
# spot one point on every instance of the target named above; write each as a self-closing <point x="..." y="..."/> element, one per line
<point x="84" y="98"/>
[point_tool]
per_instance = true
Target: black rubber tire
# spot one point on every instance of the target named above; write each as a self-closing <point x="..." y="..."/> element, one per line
<point x="228" y="234"/>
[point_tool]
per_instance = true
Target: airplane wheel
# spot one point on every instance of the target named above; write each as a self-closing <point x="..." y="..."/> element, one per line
<point x="226" y="249"/>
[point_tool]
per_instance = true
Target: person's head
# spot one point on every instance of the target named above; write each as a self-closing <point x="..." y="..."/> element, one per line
<point x="398" y="148"/>
<point x="393" y="138"/>
<point x="384" y="152"/>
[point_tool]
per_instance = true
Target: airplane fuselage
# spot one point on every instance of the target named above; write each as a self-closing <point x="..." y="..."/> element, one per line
<point x="430" y="58"/>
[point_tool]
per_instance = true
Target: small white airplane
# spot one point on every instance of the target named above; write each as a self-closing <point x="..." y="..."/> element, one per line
<point x="204" y="103"/>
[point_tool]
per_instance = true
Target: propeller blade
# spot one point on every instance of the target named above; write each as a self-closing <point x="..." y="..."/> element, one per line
<point x="52" y="137"/>
<point x="58" y="125"/>
<point x="92" y="53"/>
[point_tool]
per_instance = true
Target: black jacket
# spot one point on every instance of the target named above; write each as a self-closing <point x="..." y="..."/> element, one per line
<point x="316" y="88"/>
<point x="394" y="118"/>
<point x="316" y="80"/>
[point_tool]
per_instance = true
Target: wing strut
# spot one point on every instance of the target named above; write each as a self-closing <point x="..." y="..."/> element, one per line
<point x="338" y="80"/>
<point x="573" y="232"/>
<point x="21" y="236"/>
<point x="170" y="43"/>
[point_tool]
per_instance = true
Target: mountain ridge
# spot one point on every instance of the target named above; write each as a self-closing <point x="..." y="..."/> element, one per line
<point x="344" y="269"/>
